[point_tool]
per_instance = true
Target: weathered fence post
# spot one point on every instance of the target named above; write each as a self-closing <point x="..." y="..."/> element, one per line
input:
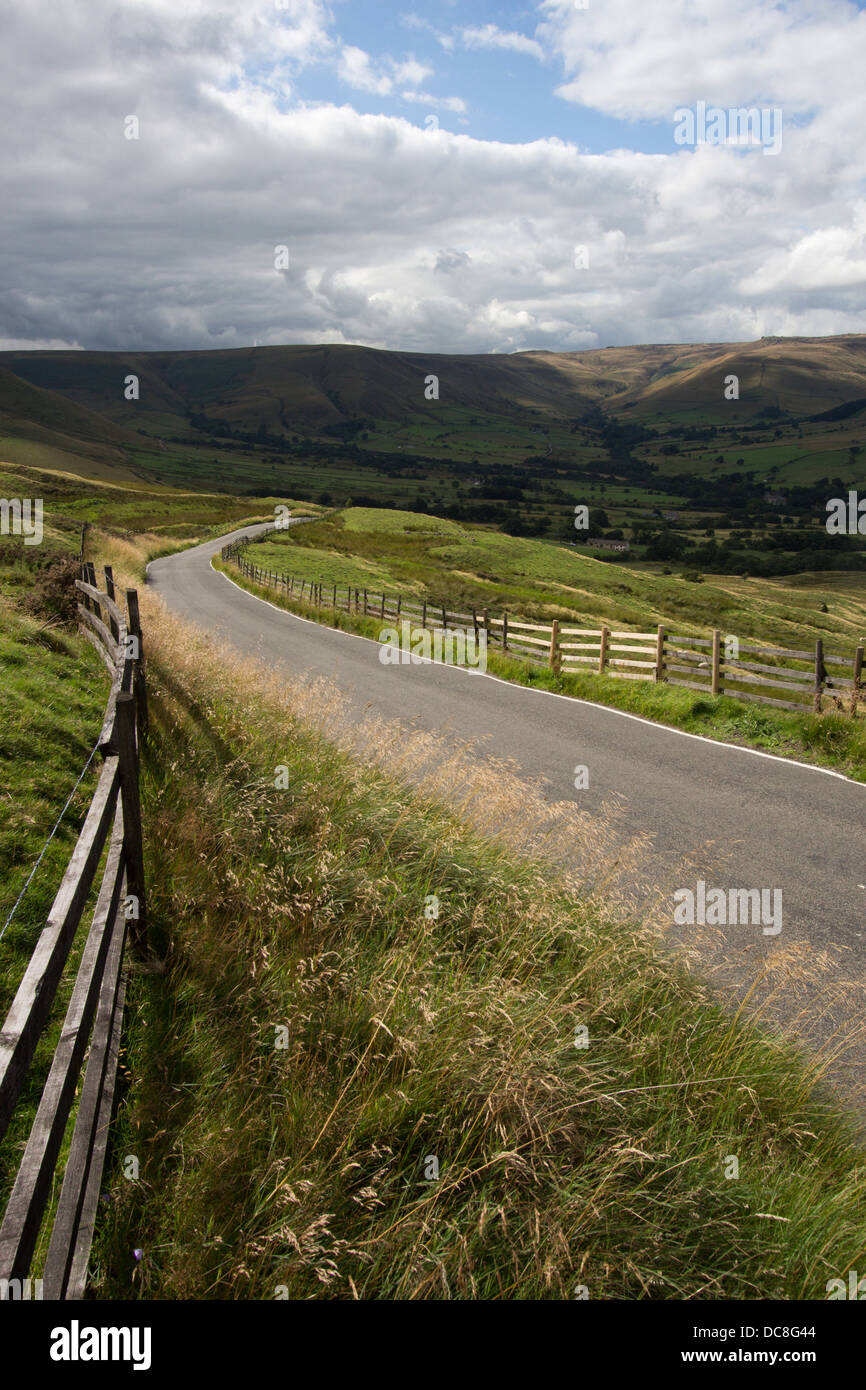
<point x="424" y="613"/>
<point x="717" y="662"/>
<point x="602" y="654"/>
<point x="554" y="647"/>
<point x="382" y="613"/>
<point x="505" y="629"/>
<point x="140" y="681"/>
<point x="857" y="681"/>
<point x="660" y="653"/>
<point x="133" y="844"/>
<point x="820" y="674"/>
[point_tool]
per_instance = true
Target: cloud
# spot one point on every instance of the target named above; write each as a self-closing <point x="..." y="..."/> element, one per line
<point x="832" y="258"/>
<point x="409" y="237"/>
<point x="415" y="21"/>
<point x="490" y="36"/>
<point x="449" y="260"/>
<point x="438" y="103"/>
<point x="411" y="71"/>
<point x="356" y="70"/>
<point x="641" y="61"/>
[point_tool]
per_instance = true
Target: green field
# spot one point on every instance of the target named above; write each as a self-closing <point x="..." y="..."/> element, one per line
<point x="488" y="568"/>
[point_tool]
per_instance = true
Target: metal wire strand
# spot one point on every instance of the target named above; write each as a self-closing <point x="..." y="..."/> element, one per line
<point x="48" y="841"/>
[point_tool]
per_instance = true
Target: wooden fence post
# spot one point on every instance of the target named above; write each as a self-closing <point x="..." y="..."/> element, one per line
<point x="554" y="647"/>
<point x="602" y="655"/>
<point x="90" y="576"/>
<point x="857" y="681"/>
<point x="820" y="674"/>
<point x="424" y="613"/>
<point x="133" y="845"/>
<point x="505" y="629"/>
<point x="382" y="612"/>
<point x="717" y="661"/>
<point x="660" y="653"/>
<point x="139" y="688"/>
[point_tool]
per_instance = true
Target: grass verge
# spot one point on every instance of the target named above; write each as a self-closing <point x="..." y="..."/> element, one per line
<point x="356" y="982"/>
<point x="54" y="689"/>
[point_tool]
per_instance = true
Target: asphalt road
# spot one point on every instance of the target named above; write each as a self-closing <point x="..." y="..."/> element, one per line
<point x="776" y="823"/>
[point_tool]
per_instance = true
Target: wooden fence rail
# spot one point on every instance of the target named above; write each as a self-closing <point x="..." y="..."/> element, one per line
<point x="112" y="828"/>
<point x="714" y="664"/>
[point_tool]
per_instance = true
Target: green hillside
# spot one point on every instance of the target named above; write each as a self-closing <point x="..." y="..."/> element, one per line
<point x="642" y="436"/>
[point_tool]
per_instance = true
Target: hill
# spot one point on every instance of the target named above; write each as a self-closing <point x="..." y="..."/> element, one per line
<point x="281" y="389"/>
<point x="643" y="435"/>
<point x="46" y="428"/>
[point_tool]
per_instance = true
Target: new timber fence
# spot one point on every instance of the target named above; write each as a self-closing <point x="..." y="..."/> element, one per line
<point x="110" y="838"/>
<point x="813" y="681"/>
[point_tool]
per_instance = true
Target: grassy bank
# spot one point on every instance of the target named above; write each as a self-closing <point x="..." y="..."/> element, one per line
<point x="54" y="689"/>
<point x="356" y="982"/>
<point x="834" y="741"/>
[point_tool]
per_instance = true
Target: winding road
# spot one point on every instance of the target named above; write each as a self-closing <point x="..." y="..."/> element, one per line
<point x="779" y="824"/>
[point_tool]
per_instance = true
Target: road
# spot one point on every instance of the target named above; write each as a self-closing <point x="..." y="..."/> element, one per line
<point x="776" y="823"/>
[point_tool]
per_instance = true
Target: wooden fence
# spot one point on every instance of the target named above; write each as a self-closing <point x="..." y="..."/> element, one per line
<point x="94" y="1014"/>
<point x="796" y="679"/>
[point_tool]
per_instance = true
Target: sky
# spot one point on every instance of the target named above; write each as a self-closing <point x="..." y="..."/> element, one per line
<point x="458" y="177"/>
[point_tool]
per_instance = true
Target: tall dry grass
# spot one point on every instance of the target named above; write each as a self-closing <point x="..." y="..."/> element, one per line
<point x="452" y="1036"/>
